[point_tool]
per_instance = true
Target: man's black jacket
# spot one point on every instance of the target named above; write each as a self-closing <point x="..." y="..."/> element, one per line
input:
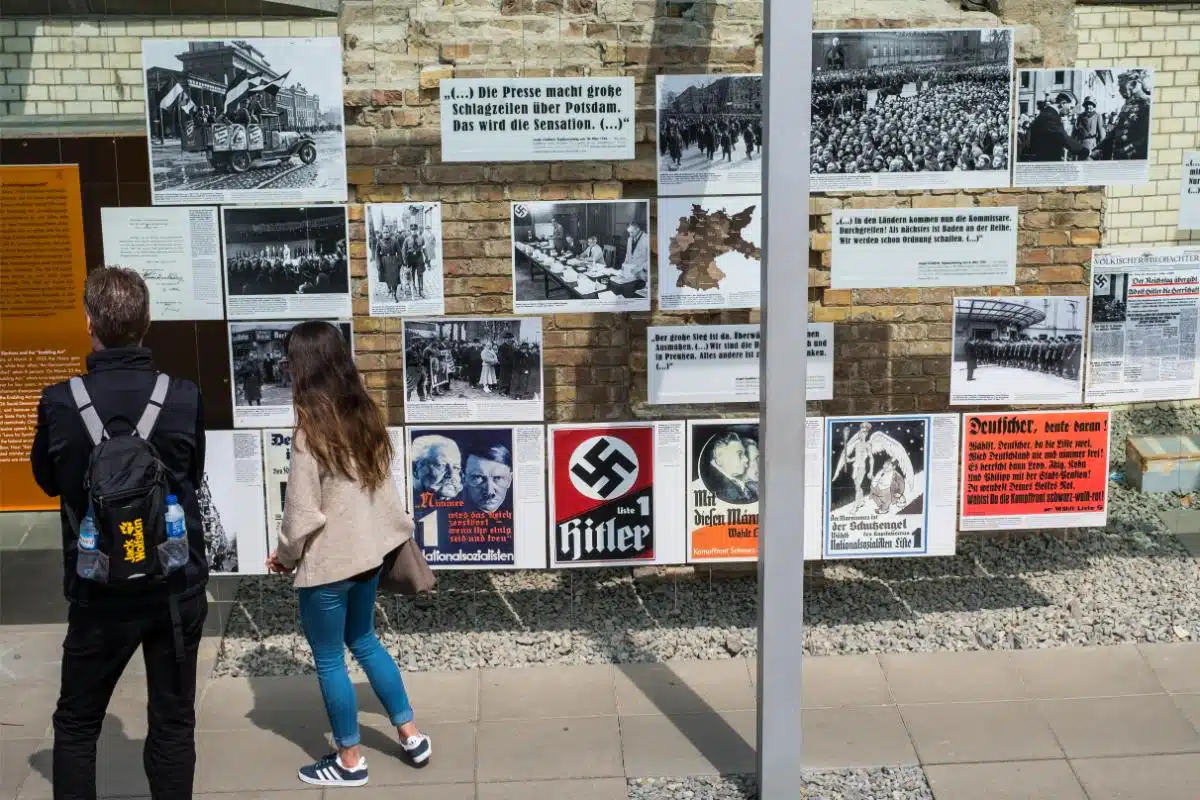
<point x="120" y="381"/>
<point x="1048" y="138"/>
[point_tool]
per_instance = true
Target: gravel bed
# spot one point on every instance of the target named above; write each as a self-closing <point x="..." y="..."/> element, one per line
<point x="1129" y="582"/>
<point x="882" y="783"/>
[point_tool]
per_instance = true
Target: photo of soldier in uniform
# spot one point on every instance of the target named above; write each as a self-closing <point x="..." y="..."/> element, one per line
<point x="1017" y="350"/>
<point x="710" y="134"/>
<point x="404" y="259"/>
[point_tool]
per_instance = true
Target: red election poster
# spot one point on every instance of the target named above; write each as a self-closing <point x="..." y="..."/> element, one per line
<point x="1041" y="469"/>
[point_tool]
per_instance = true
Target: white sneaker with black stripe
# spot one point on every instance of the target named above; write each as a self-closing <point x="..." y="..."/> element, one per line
<point x="329" y="771"/>
<point x="417" y="749"/>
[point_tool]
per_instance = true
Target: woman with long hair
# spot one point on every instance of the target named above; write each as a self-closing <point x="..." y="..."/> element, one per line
<point x="342" y="517"/>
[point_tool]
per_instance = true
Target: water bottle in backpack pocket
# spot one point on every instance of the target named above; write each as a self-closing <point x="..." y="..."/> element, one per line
<point x="174" y="551"/>
<point x="90" y="563"/>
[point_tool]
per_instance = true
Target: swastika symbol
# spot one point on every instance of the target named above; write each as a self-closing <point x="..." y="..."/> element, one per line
<point x="603" y="467"/>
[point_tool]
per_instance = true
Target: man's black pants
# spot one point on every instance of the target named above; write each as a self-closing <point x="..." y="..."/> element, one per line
<point x="96" y="650"/>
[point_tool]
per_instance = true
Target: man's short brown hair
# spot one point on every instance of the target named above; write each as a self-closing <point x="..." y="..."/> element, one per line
<point x="118" y="303"/>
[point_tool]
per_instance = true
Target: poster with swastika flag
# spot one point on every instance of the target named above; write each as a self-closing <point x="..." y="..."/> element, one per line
<point x="616" y="494"/>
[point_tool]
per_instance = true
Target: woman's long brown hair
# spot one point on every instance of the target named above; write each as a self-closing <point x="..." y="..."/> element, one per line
<point x="343" y="427"/>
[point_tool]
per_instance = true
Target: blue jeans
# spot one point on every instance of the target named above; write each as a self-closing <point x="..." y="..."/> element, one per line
<point x="340" y="615"/>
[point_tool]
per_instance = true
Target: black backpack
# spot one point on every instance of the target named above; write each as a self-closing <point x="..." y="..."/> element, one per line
<point x="126" y="486"/>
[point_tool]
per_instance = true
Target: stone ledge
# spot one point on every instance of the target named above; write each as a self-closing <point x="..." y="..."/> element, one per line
<point x="834" y="14"/>
<point x="171" y="8"/>
<point x="67" y="125"/>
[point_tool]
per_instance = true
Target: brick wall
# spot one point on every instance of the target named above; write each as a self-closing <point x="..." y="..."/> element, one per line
<point x="1166" y="38"/>
<point x="94" y="66"/>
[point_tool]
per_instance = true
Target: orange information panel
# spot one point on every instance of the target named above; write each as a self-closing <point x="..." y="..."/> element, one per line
<point x="43" y="336"/>
<point x="1044" y="469"/>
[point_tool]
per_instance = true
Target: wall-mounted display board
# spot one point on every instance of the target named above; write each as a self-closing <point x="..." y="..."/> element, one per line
<point x="177" y="251"/>
<point x="710" y="134"/>
<point x="232" y="504"/>
<point x="478" y="495"/>
<point x="1144" y="336"/>
<point x="709" y="252"/>
<point x="245" y="121"/>
<point x="1041" y="469"/>
<point x="616" y="494"/>
<point x="1189" y="192"/>
<point x="891" y="486"/>
<point x="405" y="274"/>
<point x="537" y="119"/>
<point x="911" y="109"/>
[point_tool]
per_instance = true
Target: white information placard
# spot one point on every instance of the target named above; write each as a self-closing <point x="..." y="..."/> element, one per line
<point x="231" y="503"/>
<point x="1189" y="192"/>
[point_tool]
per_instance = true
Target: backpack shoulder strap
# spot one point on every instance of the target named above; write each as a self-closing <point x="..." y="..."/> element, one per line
<point x="145" y="426"/>
<point x="91" y="419"/>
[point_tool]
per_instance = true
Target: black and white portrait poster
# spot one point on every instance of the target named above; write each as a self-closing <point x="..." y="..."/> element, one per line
<point x="891" y="486"/>
<point x="231" y="503"/>
<point x="911" y="109"/>
<point x="581" y="256"/>
<point x="245" y="121"/>
<point x="720" y="363"/>
<point x="710" y="134"/>
<point x="709" y="252"/>
<point x="1017" y="350"/>
<point x="473" y="370"/>
<point x="478" y="496"/>
<point x="1078" y="127"/>
<point x="262" y="386"/>
<point x="912" y="248"/>
<point x="404" y="259"/>
<point x="286" y="263"/>
<point x="616" y="494"/>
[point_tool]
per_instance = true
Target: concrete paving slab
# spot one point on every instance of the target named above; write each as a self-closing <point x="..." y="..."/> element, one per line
<point x="547" y="693"/>
<point x="276" y="756"/>
<point x="1189" y="706"/>
<point x="453" y="759"/>
<point x="14" y="763"/>
<point x="1120" y="726"/>
<point x="1015" y="780"/>
<point x="25" y="711"/>
<point x="958" y="733"/>
<point x="1161" y="777"/>
<point x="1068" y="672"/>
<point x="598" y="789"/>
<point x="517" y="751"/>
<point x="119" y="770"/>
<point x="444" y="791"/>
<point x="435" y="696"/>
<point x="952" y="677"/>
<point x="684" y="687"/>
<point x="867" y="736"/>
<point x="1190" y="542"/>
<point x="835" y="681"/>
<point x="31" y="587"/>
<point x="1177" y="666"/>
<point x="689" y="744"/>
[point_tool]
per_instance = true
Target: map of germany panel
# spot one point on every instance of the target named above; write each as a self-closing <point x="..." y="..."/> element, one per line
<point x="710" y="252"/>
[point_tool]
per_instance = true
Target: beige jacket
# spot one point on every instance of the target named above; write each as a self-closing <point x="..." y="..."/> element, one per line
<point x="333" y="528"/>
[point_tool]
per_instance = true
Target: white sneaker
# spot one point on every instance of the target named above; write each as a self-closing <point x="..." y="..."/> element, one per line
<point x="417" y="749"/>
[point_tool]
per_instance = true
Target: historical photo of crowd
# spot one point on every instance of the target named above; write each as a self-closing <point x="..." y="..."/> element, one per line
<point x="1077" y="125"/>
<point x="464" y="370"/>
<point x="404" y="259"/>
<point x="1025" y="350"/>
<point x="892" y="108"/>
<point x="286" y="262"/>
<point x="710" y="134"/>
<point x="262" y="385"/>
<point x="1110" y="295"/>
<point x="581" y="256"/>
<point x="245" y="120"/>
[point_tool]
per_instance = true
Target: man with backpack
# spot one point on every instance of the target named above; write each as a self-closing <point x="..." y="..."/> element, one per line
<point x="123" y="447"/>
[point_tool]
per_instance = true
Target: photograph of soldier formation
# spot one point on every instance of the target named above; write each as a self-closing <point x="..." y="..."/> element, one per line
<point x="404" y="258"/>
<point x="1083" y="115"/>
<point x="1017" y="349"/>
<point x="710" y="134"/>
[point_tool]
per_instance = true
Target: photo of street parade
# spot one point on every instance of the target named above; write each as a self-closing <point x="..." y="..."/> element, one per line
<point x="897" y="109"/>
<point x="262" y="386"/>
<point x="404" y="258"/>
<point x="710" y="134"/>
<point x="245" y="120"/>
<point x="1025" y="350"/>
<point x="286" y="262"/>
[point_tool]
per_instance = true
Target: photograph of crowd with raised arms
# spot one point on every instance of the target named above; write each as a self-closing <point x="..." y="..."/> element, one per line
<point x="1025" y="350"/>
<point x="1078" y="126"/>
<point x="404" y="259"/>
<point x="911" y="109"/>
<point x="710" y="134"/>
<point x="579" y="257"/>
<point x="285" y="263"/>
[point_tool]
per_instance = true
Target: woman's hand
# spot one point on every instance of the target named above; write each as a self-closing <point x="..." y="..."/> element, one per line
<point x="273" y="564"/>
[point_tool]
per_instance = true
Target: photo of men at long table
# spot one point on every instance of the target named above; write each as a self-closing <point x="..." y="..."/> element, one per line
<point x="581" y="256"/>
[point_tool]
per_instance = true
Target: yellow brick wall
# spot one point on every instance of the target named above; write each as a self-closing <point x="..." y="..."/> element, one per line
<point x="1167" y="38"/>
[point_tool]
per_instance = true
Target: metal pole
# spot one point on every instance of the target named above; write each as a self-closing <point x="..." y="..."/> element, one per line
<point x="787" y="94"/>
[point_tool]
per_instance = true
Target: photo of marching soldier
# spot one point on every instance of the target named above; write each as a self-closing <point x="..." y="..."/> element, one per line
<point x="404" y="258"/>
<point x="286" y="262"/>
<point x="1081" y="117"/>
<point x="892" y="108"/>
<point x="709" y="134"/>
<point x="1025" y="350"/>
<point x="245" y="120"/>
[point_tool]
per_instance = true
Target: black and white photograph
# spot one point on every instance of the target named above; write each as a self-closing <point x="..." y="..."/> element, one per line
<point x="911" y="109"/>
<point x="581" y="256"/>
<point x="245" y="121"/>
<point x="1017" y="350"/>
<point x="286" y="263"/>
<point x="404" y="259"/>
<point x="473" y="370"/>
<point x="1083" y="126"/>
<point x="710" y="134"/>
<point x="262" y="385"/>
<point x="231" y="502"/>
<point x="1110" y="294"/>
